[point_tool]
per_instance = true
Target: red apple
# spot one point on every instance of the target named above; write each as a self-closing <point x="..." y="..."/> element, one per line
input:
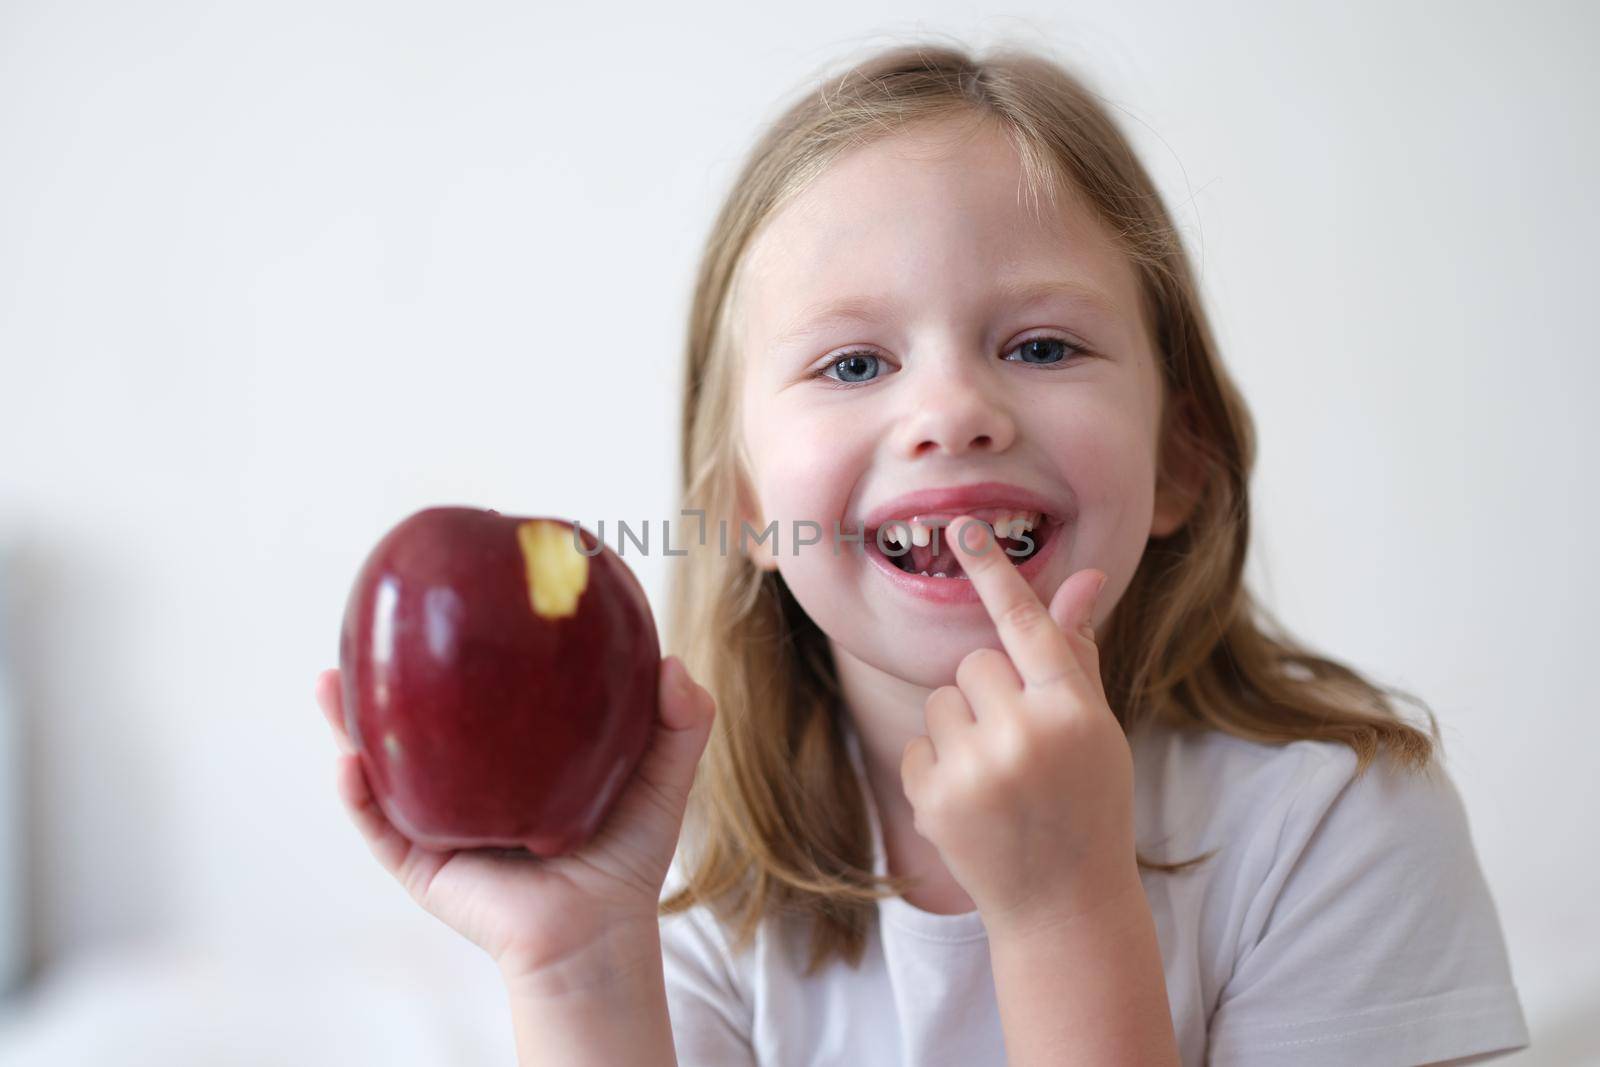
<point x="499" y="684"/>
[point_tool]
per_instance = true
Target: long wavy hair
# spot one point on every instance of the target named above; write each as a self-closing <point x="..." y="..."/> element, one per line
<point x="778" y="823"/>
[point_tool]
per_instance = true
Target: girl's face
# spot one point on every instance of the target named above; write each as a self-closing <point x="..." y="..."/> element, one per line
<point x="937" y="373"/>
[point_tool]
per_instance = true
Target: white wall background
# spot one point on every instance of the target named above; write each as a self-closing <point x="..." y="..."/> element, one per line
<point x="273" y="276"/>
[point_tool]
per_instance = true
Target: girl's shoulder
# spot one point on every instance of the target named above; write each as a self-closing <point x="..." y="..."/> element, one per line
<point x="1208" y="789"/>
<point x="1344" y="909"/>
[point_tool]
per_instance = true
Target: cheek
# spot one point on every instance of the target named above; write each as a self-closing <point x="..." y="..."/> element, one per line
<point x="806" y="463"/>
<point x="1107" y="459"/>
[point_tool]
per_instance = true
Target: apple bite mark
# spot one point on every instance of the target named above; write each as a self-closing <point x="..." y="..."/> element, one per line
<point x="557" y="572"/>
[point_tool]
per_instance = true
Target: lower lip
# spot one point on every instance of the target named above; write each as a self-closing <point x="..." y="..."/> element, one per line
<point x="958" y="590"/>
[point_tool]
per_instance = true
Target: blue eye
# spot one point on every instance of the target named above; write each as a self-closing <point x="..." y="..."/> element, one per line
<point x="862" y="364"/>
<point x="858" y="368"/>
<point x="1039" y="349"/>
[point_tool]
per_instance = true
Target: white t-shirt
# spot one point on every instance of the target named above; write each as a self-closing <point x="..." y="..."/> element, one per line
<point x="1342" y="921"/>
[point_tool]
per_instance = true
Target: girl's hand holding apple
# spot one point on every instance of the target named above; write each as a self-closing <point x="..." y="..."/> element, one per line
<point x="567" y="920"/>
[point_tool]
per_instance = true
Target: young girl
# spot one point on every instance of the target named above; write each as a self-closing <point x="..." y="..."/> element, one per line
<point x="1056" y="798"/>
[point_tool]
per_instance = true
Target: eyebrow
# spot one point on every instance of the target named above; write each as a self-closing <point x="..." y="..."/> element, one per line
<point x="820" y="316"/>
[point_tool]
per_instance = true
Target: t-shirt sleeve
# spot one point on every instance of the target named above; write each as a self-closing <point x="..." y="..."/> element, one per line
<point x="711" y="1022"/>
<point x="1373" y="938"/>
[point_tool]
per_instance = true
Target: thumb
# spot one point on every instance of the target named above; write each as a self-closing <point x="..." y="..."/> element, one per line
<point x="1073" y="609"/>
<point x="681" y="731"/>
<point x="1073" y="606"/>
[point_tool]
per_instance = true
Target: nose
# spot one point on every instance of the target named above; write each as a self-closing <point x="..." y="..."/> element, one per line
<point x="954" y="411"/>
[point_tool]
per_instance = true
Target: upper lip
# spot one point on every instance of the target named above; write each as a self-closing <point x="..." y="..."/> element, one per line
<point x="957" y="499"/>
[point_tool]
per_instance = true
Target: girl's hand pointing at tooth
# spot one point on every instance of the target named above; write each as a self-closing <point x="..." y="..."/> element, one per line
<point x="1024" y="780"/>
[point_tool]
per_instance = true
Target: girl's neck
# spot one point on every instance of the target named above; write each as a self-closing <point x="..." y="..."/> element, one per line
<point x="886" y="713"/>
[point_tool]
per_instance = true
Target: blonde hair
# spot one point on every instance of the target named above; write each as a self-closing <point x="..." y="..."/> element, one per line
<point x="780" y="824"/>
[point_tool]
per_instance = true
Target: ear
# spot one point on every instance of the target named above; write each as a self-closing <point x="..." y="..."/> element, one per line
<point x="1181" y="479"/>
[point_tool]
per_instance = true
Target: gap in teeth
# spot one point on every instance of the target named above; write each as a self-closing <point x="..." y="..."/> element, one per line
<point x="1010" y="525"/>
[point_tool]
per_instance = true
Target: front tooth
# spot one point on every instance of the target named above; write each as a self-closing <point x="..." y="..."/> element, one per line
<point x="1023" y="522"/>
<point x="921" y="535"/>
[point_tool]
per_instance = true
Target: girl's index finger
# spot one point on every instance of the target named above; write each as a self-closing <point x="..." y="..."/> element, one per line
<point x="1037" y="647"/>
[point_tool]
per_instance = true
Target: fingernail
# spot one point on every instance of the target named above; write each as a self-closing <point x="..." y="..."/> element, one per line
<point x="1098" y="586"/>
<point x="973" y="546"/>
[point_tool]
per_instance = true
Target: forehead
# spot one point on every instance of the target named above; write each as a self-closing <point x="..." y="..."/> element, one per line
<point x="938" y="215"/>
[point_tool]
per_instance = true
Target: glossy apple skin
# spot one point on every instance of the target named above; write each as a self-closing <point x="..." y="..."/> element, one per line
<point x="478" y="721"/>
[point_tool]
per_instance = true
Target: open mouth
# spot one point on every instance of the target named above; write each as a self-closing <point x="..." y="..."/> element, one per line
<point x="921" y="545"/>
